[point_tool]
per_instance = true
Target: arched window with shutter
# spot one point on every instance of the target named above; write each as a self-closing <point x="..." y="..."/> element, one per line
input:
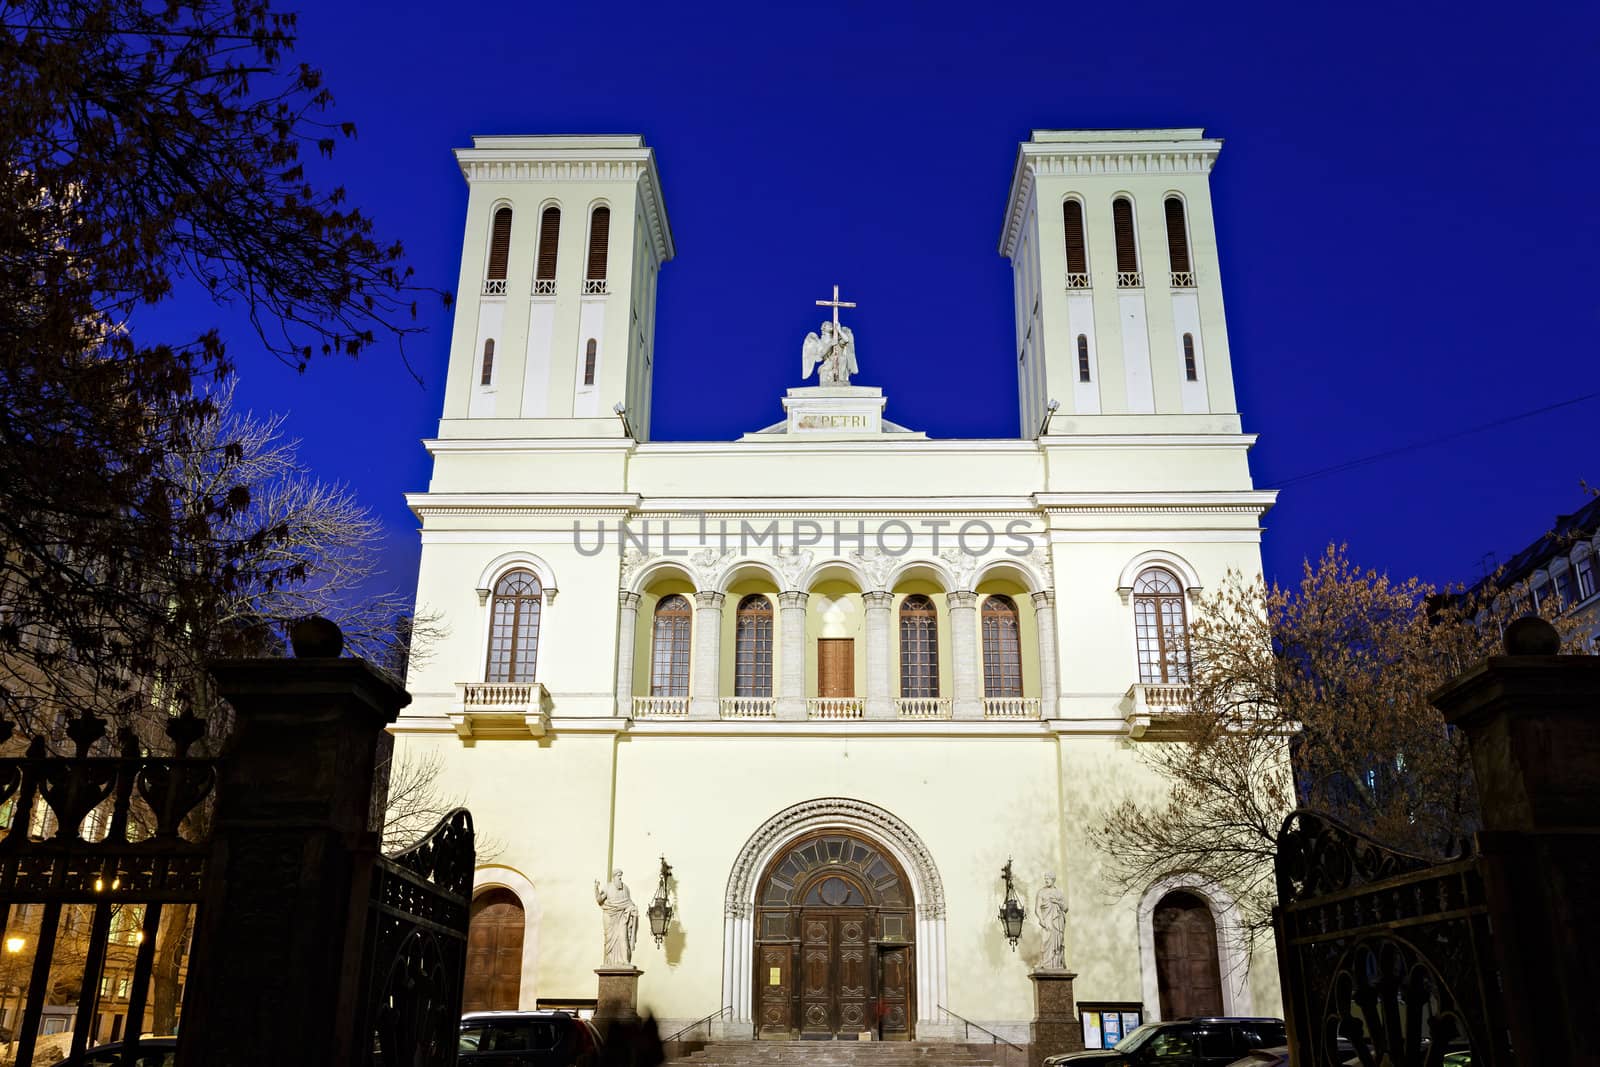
<point x="1191" y="372"/>
<point x="599" y="243"/>
<point x="919" y="647"/>
<point x="499" y="252"/>
<point x="669" y="648"/>
<point x="1161" y="628"/>
<point x="589" y="351"/>
<point x="514" y="627"/>
<point x="1002" y="648"/>
<point x="752" y="647"/>
<point x="1077" y="247"/>
<point x="1178" y="244"/>
<point x="1083" y="357"/>
<point x="486" y="376"/>
<point x="544" y="274"/>
<point x="1127" y="244"/>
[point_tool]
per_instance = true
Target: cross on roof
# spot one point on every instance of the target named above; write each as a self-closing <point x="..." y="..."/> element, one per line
<point x="836" y="304"/>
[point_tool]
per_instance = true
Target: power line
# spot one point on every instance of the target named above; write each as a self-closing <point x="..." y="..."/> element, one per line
<point x="141" y="33"/>
<point x="1401" y="450"/>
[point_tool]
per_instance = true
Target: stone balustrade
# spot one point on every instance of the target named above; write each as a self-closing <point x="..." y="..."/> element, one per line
<point x="1010" y="707"/>
<point x="834" y="708"/>
<point x="748" y="707"/>
<point x="660" y="707"/>
<point x="922" y="707"/>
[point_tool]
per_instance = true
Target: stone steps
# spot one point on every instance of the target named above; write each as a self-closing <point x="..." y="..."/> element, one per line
<point x="836" y="1054"/>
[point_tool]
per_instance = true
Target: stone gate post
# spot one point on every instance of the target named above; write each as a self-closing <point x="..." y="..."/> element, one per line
<point x="274" y="974"/>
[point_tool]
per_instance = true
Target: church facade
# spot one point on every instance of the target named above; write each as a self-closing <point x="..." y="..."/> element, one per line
<point x="836" y="673"/>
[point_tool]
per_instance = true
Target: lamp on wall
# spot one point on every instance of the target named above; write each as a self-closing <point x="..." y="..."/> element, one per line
<point x="660" y="911"/>
<point x="1011" y="912"/>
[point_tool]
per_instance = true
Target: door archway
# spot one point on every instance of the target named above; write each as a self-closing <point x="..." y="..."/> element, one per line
<point x="494" y="952"/>
<point x="835" y="941"/>
<point x="1188" y="973"/>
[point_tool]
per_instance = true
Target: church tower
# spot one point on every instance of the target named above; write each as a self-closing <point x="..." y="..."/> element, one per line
<point x="1118" y="296"/>
<point x="555" y="325"/>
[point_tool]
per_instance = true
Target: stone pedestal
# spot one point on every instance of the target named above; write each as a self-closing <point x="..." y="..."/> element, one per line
<point x="1055" y="1017"/>
<point x="618" y="1000"/>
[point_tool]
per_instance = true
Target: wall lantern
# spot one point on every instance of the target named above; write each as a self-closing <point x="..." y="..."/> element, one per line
<point x="1011" y="912"/>
<point x="660" y="911"/>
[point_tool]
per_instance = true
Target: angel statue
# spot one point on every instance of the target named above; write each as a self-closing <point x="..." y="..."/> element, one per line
<point x="834" y="350"/>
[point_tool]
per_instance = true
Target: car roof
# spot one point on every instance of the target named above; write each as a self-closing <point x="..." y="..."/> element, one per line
<point x="480" y="1016"/>
<point x="1225" y="1019"/>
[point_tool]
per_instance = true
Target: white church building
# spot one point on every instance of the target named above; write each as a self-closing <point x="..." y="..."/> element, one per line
<point x="836" y="672"/>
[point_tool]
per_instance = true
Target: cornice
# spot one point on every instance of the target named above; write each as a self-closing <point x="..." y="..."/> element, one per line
<point x="1239" y="502"/>
<point x="873" y="505"/>
<point x="422" y="504"/>
<point x="1094" y="159"/>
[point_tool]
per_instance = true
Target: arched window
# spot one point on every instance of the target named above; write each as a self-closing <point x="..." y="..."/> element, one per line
<point x="1127" y="243"/>
<point x="487" y="377"/>
<point x="919" y="648"/>
<point x="669" y="648"/>
<point x="499" y="245"/>
<point x="514" y="628"/>
<point x="544" y="274"/>
<point x="588" y="361"/>
<point x="752" y="648"/>
<point x="1190" y="371"/>
<point x="1083" y="358"/>
<point x="1077" y="249"/>
<point x="1178" y="243"/>
<point x="599" y="241"/>
<point x="1161" y="628"/>
<point x="1002" y="648"/>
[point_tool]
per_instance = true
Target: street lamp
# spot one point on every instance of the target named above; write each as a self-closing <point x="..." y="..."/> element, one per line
<point x="14" y="946"/>
<point x="1011" y="912"/>
<point x="660" y="911"/>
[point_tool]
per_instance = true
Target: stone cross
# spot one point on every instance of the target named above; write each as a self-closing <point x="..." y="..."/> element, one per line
<point x="836" y="304"/>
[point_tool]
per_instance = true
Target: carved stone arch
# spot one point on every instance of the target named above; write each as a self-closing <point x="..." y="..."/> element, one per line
<point x="1164" y="558"/>
<point x="832" y="565"/>
<point x="497" y="876"/>
<point x="740" y="568"/>
<point x="518" y="560"/>
<point x="922" y="568"/>
<point x="655" y="568"/>
<point x="1233" y="954"/>
<point x="1015" y="567"/>
<point x="897" y="839"/>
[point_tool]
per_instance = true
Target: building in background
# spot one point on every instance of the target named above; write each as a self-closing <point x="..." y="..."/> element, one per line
<point x="1554" y="575"/>
<point x="836" y="672"/>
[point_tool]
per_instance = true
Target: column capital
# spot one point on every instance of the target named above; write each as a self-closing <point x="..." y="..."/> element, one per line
<point x="878" y="600"/>
<point x="709" y="599"/>
<point x="792" y="598"/>
<point x="627" y="599"/>
<point x="961" y="598"/>
<point x="1044" y="598"/>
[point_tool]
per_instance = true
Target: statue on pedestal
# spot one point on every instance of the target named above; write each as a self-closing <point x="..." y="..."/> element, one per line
<point x="833" y="348"/>
<point x="1050" y="908"/>
<point x="621" y="920"/>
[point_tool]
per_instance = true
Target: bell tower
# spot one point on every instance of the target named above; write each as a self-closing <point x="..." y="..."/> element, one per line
<point x="555" y="318"/>
<point x="1118" y="297"/>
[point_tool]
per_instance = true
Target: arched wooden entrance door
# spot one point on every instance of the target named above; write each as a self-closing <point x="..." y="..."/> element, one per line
<point x="494" y="952"/>
<point x="1187" y="971"/>
<point x="834" y="933"/>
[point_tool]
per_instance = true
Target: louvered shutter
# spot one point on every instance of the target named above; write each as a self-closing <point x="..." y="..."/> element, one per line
<point x="500" y="245"/>
<point x="599" y="240"/>
<point x="487" y="377"/>
<point x="1177" y="236"/>
<point x="1122" y="223"/>
<point x="1077" y="254"/>
<point x="549" y="234"/>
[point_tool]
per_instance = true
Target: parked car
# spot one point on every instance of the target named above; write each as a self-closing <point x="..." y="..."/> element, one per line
<point x="527" y="1039"/>
<point x="1264" y="1057"/>
<point x="153" y="1052"/>
<point x="1214" y="1041"/>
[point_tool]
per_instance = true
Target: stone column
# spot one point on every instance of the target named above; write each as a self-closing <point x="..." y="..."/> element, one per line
<point x="964" y="647"/>
<point x="1044" y="616"/>
<point x="627" y="638"/>
<point x="707" y="656"/>
<point x="792" y="643"/>
<point x="1055" y="1018"/>
<point x="880" y="701"/>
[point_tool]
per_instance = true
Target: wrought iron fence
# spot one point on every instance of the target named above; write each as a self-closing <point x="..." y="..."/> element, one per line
<point x="1389" y="951"/>
<point x="414" y="961"/>
<point x="107" y="834"/>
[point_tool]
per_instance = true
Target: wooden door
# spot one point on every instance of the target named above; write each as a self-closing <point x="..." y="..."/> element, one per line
<point x="835" y="974"/>
<point x="1187" y="972"/>
<point x="836" y="667"/>
<point x="894" y="993"/>
<point x="494" y="953"/>
<point x="774" y="991"/>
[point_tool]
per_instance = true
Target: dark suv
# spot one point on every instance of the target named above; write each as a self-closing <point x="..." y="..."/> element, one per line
<point x="1207" y="1042"/>
<point x="527" y="1039"/>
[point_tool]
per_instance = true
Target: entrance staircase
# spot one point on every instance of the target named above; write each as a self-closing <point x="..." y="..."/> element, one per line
<point x="839" y="1054"/>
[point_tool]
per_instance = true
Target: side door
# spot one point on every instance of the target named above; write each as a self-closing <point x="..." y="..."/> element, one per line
<point x="1218" y="1046"/>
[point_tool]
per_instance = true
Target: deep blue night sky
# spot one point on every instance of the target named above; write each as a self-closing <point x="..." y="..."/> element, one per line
<point x="1405" y="205"/>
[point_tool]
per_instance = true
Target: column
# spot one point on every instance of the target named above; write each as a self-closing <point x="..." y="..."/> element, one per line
<point x="964" y="645"/>
<point x="792" y="645"/>
<point x="880" y="701"/>
<point x="707" y="676"/>
<point x="627" y="638"/>
<point x="1044" y="616"/>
